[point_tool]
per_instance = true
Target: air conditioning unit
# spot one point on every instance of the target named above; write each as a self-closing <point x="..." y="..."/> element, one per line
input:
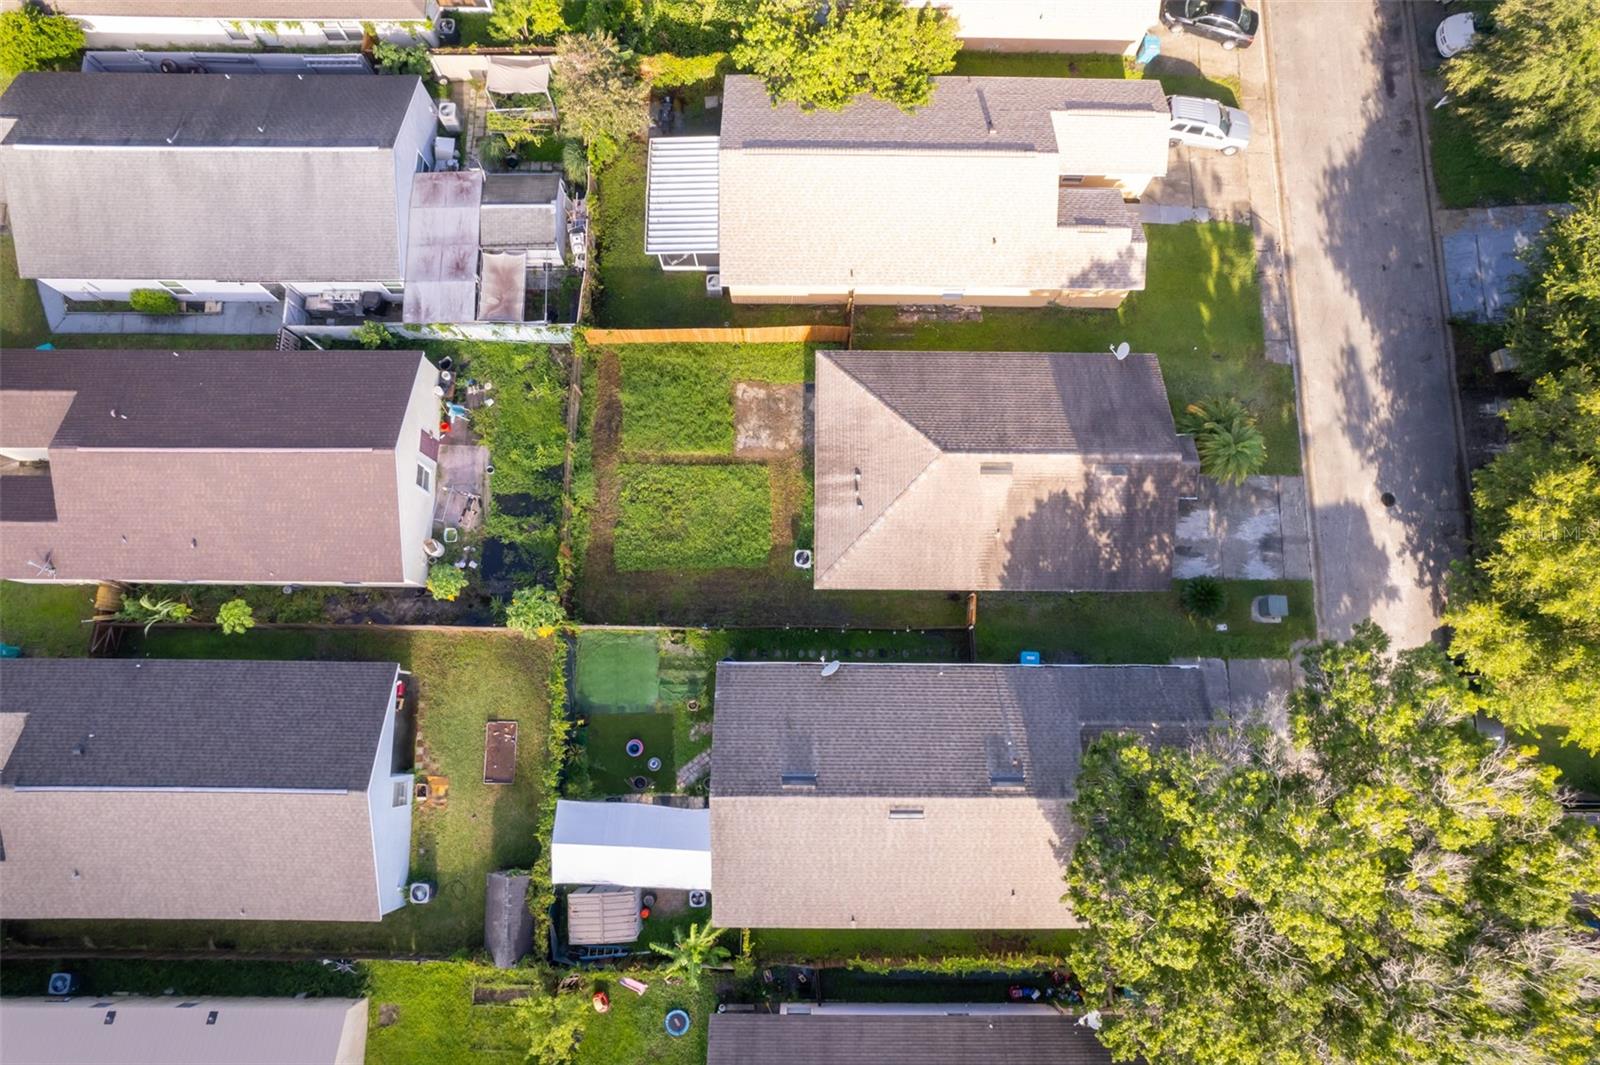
<point x="420" y="893"/>
<point x="714" y="285"/>
<point x="802" y="559"/>
<point x="698" y="900"/>
<point x="63" y="983"/>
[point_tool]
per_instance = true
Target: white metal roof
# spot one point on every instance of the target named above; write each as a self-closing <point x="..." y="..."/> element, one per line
<point x="681" y="198"/>
<point x="442" y="247"/>
<point x="631" y="845"/>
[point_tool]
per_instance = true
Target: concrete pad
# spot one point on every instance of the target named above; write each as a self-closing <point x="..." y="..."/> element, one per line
<point x="463" y="479"/>
<point x="1158" y="214"/>
<point x="1295" y="527"/>
<point x="1261" y="685"/>
<point x="1242" y="532"/>
<point x="1483" y="250"/>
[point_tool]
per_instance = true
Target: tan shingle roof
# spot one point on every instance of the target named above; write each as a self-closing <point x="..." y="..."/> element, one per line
<point x="995" y="471"/>
<point x="919" y="796"/>
<point x="871" y="196"/>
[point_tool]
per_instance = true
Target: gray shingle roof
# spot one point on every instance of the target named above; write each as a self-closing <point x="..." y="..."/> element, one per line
<point x="117" y="723"/>
<point x="1022" y="401"/>
<point x="292" y="400"/>
<point x="27" y="497"/>
<point x="265" y="178"/>
<point x="903" y="790"/>
<point x="929" y="730"/>
<point x="206" y="110"/>
<point x="902" y="1039"/>
<point x="966" y="114"/>
<point x="995" y="471"/>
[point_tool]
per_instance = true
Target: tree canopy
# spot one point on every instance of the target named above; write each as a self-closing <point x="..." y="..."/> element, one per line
<point x="1379" y="885"/>
<point x="1529" y="616"/>
<point x="1556" y="322"/>
<point x="527" y="20"/>
<point x="824" y="58"/>
<point x="30" y="39"/>
<point x="602" y="100"/>
<point x="1530" y="88"/>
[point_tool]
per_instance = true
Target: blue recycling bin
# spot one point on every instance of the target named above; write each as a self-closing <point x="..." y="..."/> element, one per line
<point x="1149" y="48"/>
<point x="1030" y="658"/>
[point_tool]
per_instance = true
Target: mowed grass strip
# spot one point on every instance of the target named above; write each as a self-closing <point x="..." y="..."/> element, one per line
<point x="693" y="517"/>
<point x="678" y="398"/>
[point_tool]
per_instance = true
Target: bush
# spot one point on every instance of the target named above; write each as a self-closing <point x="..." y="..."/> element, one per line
<point x="1203" y="597"/>
<point x="235" y="617"/>
<point x="374" y="335"/>
<point x="153" y="301"/>
<point x="575" y="164"/>
<point x="672" y="71"/>
<point x="1230" y="445"/>
<point x="603" y="102"/>
<point x="525" y="20"/>
<point x="30" y="39"/>
<point x="398" y="59"/>
<point x="535" y="611"/>
<point x="446" y="581"/>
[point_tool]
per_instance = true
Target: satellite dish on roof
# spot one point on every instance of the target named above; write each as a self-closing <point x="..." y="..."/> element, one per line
<point x="1121" y="351"/>
<point x="830" y="668"/>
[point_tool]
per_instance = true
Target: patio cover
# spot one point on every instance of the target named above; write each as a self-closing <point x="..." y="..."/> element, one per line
<point x="505" y="286"/>
<point x="681" y="196"/>
<point x="600" y="915"/>
<point x="511" y="75"/>
<point x="442" y="248"/>
<point x="631" y="844"/>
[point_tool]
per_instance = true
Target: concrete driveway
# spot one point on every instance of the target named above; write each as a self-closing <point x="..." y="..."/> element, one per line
<point x="1483" y="255"/>
<point x="1376" y="409"/>
<point x="1208" y="184"/>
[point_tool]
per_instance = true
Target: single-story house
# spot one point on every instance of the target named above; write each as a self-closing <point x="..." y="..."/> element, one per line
<point x="173" y="1030"/>
<point x="1001" y="191"/>
<point x="217" y="467"/>
<point x="920" y="796"/>
<point x="134" y="789"/>
<point x="222" y="191"/>
<point x="1114" y="26"/>
<point x="252" y="23"/>
<point x="993" y="471"/>
<point x="631" y="844"/>
<point x="836" y="1033"/>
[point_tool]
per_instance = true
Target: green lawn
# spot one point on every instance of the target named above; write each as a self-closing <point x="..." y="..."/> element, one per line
<point x="1094" y="65"/>
<point x="611" y="770"/>
<point x="694" y="517"/>
<point x="1579" y="769"/>
<point x="1138" y="626"/>
<point x="46" y="620"/>
<point x="1200" y="313"/>
<point x="22" y="323"/>
<point x="678" y="398"/>
<point x="616" y="672"/>
<point x="885" y="947"/>
<point x="461" y="681"/>
<point x="635" y="293"/>
<point x="1466" y="176"/>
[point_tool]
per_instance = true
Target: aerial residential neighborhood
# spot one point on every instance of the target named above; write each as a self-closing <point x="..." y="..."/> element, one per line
<point x="850" y="532"/>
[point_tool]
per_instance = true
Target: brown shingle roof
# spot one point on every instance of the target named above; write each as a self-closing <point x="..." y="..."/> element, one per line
<point x="922" y="1038"/>
<point x="922" y="796"/>
<point x="995" y="471"/>
<point x="258" y="466"/>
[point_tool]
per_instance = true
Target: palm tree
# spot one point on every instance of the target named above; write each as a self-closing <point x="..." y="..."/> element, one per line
<point x="692" y="951"/>
<point x="1230" y="446"/>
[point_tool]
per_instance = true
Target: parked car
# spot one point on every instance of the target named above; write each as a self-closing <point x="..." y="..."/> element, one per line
<point x="1201" y="123"/>
<point x="1456" y="34"/>
<point x="1226" y="21"/>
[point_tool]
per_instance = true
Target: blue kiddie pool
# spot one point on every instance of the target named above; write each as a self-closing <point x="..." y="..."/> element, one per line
<point x="677" y="1023"/>
<point x="634" y="747"/>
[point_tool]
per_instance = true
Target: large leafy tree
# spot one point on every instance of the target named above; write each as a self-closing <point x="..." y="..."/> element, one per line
<point x="527" y="20"/>
<point x="30" y="39"/>
<point x="603" y="102"/>
<point x="1531" y="88"/>
<point x="1556" y="322"/>
<point x="1529" y="616"/>
<point x="823" y="55"/>
<point x="1380" y="885"/>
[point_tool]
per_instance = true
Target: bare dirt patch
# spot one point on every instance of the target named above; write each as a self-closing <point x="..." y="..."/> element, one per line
<point x="768" y="420"/>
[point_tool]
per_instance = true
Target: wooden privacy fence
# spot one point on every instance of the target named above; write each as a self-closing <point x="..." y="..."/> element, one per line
<point x="767" y="334"/>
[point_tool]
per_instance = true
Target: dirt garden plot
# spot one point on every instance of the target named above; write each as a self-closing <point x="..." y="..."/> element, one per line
<point x="696" y="492"/>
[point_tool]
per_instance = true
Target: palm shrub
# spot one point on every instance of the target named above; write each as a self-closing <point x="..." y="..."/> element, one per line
<point x="692" y="951"/>
<point x="1230" y="445"/>
<point x="1203" y="597"/>
<point x="445" y="581"/>
<point x="152" y="612"/>
<point x="235" y="617"/>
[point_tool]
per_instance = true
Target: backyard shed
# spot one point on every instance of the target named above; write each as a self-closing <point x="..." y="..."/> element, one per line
<point x="631" y="845"/>
<point x="598" y="915"/>
<point x="507" y="924"/>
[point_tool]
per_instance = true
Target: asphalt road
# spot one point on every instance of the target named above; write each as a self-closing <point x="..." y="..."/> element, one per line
<point x="1376" y="407"/>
